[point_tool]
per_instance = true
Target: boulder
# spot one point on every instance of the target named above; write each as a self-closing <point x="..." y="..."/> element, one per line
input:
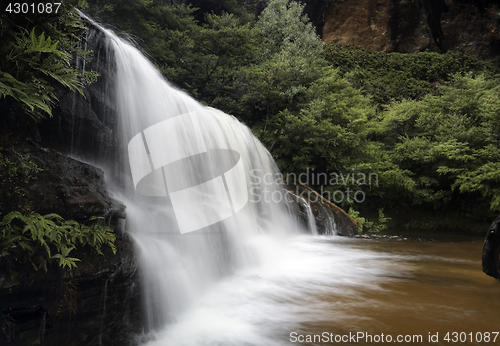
<point x="491" y="250"/>
<point x="65" y="186"/>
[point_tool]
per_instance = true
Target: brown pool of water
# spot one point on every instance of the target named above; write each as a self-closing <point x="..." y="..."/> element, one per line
<point x="437" y="295"/>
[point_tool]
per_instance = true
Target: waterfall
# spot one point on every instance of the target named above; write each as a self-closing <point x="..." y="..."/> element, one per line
<point x="193" y="181"/>
<point x="310" y="219"/>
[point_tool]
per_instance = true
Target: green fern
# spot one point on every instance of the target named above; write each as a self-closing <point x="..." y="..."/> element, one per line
<point x="40" y="64"/>
<point x="45" y="238"/>
<point x="28" y="94"/>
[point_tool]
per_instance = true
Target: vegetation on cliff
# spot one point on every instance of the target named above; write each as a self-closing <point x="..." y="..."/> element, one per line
<point x="37" y="55"/>
<point x="43" y="239"/>
<point x="28" y="237"/>
<point x="37" y="51"/>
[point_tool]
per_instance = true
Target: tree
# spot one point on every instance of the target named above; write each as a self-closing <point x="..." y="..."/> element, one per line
<point x="448" y="144"/>
<point x="289" y="59"/>
<point x="223" y="46"/>
<point x="327" y="134"/>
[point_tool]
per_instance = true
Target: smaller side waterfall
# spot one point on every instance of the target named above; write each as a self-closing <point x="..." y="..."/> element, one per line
<point x="304" y="204"/>
<point x="311" y="219"/>
<point x="330" y="219"/>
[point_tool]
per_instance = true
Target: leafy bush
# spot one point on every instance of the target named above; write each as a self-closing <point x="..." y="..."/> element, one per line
<point x="327" y="133"/>
<point x="369" y="226"/>
<point x="445" y="148"/>
<point x="48" y="238"/>
<point x="388" y="77"/>
<point x="38" y="56"/>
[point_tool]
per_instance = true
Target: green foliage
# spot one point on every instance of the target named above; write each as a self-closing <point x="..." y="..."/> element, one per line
<point x="16" y="170"/>
<point x="196" y="52"/>
<point x="334" y="117"/>
<point x="396" y="76"/>
<point x="287" y="33"/>
<point x="36" y="55"/>
<point x="360" y="220"/>
<point x="446" y="146"/>
<point x="369" y="226"/>
<point x="223" y="45"/>
<point x="289" y="59"/>
<point x="199" y="52"/>
<point x="218" y="7"/>
<point x="48" y="238"/>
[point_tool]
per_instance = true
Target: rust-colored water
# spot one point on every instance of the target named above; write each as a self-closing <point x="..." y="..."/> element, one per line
<point x="437" y="288"/>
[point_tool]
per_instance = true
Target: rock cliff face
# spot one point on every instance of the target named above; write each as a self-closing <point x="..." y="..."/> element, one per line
<point x="403" y="25"/>
<point x="98" y="303"/>
<point x="95" y="304"/>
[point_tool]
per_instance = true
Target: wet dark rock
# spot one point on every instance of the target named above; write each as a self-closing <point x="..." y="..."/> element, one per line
<point x="491" y="250"/>
<point x="68" y="187"/>
<point x="84" y="126"/>
<point x="76" y="129"/>
<point x="97" y="303"/>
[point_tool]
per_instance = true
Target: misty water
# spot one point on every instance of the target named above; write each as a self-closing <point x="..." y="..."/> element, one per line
<point x="217" y="269"/>
<point x="408" y="285"/>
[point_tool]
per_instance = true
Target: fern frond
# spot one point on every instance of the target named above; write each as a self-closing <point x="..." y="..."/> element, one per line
<point x="37" y="95"/>
<point x="7" y="219"/>
<point x="38" y="234"/>
<point x="53" y="216"/>
<point x="33" y="56"/>
<point x="60" y="71"/>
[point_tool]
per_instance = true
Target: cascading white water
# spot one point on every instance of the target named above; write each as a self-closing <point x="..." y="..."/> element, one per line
<point x="180" y="158"/>
<point x="311" y="221"/>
